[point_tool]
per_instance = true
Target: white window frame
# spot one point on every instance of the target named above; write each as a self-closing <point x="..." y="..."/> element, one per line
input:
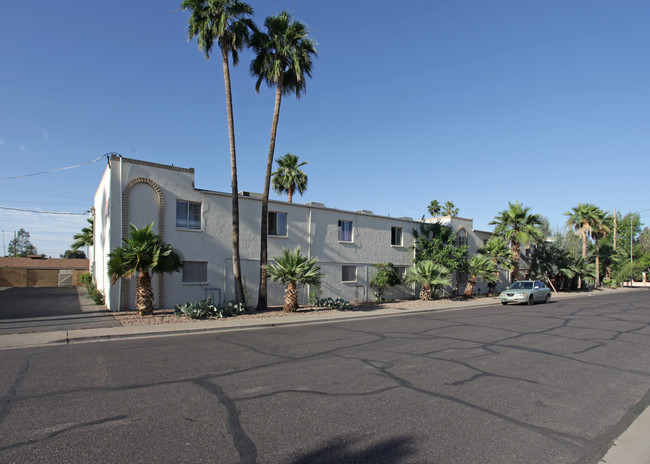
<point x="286" y="224"/>
<point x="342" y="273"/>
<point x="401" y="236"/>
<point x="340" y="231"/>
<point x="194" y="282"/>
<point x="187" y="218"/>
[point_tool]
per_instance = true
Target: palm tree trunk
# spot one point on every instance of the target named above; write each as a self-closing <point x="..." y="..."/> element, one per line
<point x="597" y="264"/>
<point x="425" y="293"/>
<point x="291" y="298"/>
<point x="236" y="262"/>
<point x="261" y="298"/>
<point x="290" y="194"/>
<point x="144" y="294"/>
<point x="516" y="254"/>
<point x="469" y="288"/>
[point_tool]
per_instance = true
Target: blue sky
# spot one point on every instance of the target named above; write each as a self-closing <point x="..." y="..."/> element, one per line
<point x="542" y="102"/>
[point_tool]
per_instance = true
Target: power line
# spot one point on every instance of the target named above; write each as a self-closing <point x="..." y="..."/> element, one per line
<point x="59" y="169"/>
<point x="45" y="212"/>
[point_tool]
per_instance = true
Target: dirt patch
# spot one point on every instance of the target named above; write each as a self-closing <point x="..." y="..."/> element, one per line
<point x="166" y="316"/>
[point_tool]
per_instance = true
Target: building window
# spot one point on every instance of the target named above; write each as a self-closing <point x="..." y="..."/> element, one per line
<point x="195" y="272"/>
<point x="345" y="231"/>
<point x="396" y="236"/>
<point x="188" y="215"/>
<point x="348" y="274"/>
<point x="278" y="224"/>
<point x="462" y="237"/>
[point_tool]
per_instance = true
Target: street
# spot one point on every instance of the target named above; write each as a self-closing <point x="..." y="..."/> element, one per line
<point x="550" y="383"/>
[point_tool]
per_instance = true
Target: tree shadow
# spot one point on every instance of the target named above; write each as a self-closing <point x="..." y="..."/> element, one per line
<point x="343" y="451"/>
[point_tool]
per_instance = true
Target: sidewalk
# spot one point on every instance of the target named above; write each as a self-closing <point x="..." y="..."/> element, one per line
<point x="631" y="447"/>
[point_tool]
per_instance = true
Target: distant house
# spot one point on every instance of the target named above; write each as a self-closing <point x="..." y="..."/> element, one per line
<point x="41" y="272"/>
<point x="198" y="223"/>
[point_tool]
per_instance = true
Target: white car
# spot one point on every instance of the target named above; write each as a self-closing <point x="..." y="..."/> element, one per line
<point x="526" y="291"/>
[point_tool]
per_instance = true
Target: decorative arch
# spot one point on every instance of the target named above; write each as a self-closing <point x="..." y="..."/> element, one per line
<point x="125" y="231"/>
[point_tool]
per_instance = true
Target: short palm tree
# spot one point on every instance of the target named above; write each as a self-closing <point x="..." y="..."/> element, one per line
<point x="517" y="226"/>
<point x="143" y="253"/>
<point x="480" y="267"/>
<point x="289" y="177"/>
<point x="86" y="237"/>
<point x="499" y="252"/>
<point x="283" y="59"/>
<point x="294" y="270"/>
<point x="228" y="23"/>
<point x="433" y="277"/>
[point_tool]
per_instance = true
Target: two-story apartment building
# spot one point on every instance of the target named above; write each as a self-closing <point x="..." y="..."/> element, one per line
<point x="198" y="223"/>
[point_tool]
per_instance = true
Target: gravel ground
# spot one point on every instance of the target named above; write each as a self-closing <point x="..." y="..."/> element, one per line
<point x="166" y="316"/>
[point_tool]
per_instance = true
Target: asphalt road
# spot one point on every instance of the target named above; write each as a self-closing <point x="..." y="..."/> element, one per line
<point x="42" y="309"/>
<point x="545" y="384"/>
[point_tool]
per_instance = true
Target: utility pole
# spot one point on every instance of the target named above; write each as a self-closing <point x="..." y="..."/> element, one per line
<point x="615" y="225"/>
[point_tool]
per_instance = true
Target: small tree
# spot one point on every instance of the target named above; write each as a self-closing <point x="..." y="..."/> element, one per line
<point x="73" y="254"/>
<point x="432" y="276"/>
<point x="143" y="253"/>
<point x="480" y="267"/>
<point x="21" y="246"/>
<point x="294" y="270"/>
<point x="386" y="276"/>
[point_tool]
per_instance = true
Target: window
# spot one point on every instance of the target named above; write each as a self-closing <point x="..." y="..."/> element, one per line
<point x="348" y="274"/>
<point x="278" y="224"/>
<point x="345" y="231"/>
<point x="195" y="272"/>
<point x="396" y="236"/>
<point x="188" y="215"/>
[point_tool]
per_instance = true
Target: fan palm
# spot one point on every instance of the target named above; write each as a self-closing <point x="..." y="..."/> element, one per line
<point x="431" y="276"/>
<point x="499" y="252"/>
<point x="480" y="267"/>
<point x="294" y="270"/>
<point x="450" y="209"/>
<point x="283" y="59"/>
<point x="517" y="226"/>
<point x="582" y="219"/>
<point x="86" y="237"/>
<point x="434" y="208"/>
<point x="289" y="177"/>
<point x="143" y="253"/>
<point x="228" y="23"/>
<point x="599" y="230"/>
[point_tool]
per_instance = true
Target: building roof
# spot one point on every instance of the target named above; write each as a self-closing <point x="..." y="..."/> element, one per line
<point x="44" y="263"/>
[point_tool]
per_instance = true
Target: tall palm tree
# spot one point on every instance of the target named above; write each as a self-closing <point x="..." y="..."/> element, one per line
<point x="499" y="252"/>
<point x="480" y="267"/>
<point x="228" y="23"/>
<point x="289" y="177"/>
<point x="517" y="226"/>
<point x="600" y="229"/>
<point x="432" y="276"/>
<point x="294" y="270"/>
<point x="143" y="253"/>
<point x="450" y="209"/>
<point x="86" y="237"/>
<point x="283" y="59"/>
<point x="583" y="218"/>
<point x="434" y="208"/>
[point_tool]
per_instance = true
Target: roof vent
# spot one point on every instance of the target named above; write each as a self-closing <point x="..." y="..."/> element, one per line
<point x="250" y="194"/>
<point x="364" y="211"/>
<point x="315" y="203"/>
<point x="405" y="217"/>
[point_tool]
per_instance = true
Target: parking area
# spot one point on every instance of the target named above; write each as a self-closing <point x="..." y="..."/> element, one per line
<point x="41" y="309"/>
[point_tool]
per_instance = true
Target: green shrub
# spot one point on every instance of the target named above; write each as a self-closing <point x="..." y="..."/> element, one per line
<point x="314" y="295"/>
<point x="86" y="279"/>
<point x="386" y="276"/>
<point x="93" y="293"/>
<point x="206" y="308"/>
<point x="339" y="303"/>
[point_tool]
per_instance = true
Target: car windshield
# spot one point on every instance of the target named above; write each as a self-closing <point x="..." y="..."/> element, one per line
<point x="522" y="285"/>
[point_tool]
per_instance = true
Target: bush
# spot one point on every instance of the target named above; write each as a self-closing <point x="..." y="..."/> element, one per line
<point x="206" y="308"/>
<point x="339" y="303"/>
<point x="93" y="293"/>
<point x="386" y="276"/>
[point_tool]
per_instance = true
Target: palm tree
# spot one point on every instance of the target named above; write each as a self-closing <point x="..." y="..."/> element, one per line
<point x="584" y="218"/>
<point x="293" y="270"/>
<point x="289" y="177"/>
<point x="599" y="230"/>
<point x="86" y="237"/>
<point x="283" y="60"/>
<point x="432" y="276"/>
<point x="143" y="253"/>
<point x="228" y="23"/>
<point x="480" y="267"/>
<point x="499" y="252"/>
<point x="517" y="226"/>
<point x="434" y="208"/>
<point x="450" y="209"/>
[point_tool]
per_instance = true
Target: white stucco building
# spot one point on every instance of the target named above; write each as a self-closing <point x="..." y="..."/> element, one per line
<point x="198" y="223"/>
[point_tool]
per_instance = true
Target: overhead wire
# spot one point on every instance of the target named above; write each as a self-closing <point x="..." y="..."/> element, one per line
<point x="58" y="169"/>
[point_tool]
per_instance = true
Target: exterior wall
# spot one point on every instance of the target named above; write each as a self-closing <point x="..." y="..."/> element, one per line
<point x="144" y="187"/>
<point x="24" y="277"/>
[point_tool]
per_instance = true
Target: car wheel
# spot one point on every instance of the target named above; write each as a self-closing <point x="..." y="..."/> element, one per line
<point x="504" y="302"/>
<point x="548" y="298"/>
<point x="531" y="300"/>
